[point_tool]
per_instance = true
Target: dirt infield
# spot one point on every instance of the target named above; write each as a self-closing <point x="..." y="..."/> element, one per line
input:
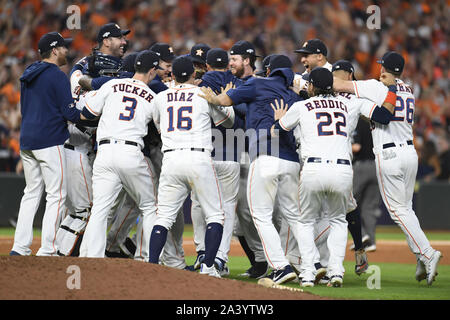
<point x="125" y="279"/>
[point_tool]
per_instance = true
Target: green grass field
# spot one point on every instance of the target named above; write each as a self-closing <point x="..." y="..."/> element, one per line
<point x="397" y="281"/>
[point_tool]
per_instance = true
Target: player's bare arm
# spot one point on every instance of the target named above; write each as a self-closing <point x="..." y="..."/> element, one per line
<point x="218" y="100"/>
<point x="341" y="85"/>
<point x="388" y="79"/>
<point x="85" y="82"/>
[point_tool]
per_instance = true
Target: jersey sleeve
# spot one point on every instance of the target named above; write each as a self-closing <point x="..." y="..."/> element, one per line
<point x="220" y="114"/>
<point x="156" y="114"/>
<point x="95" y="102"/>
<point x="371" y="89"/>
<point x="366" y="107"/>
<point x="64" y="99"/>
<point x="291" y="119"/>
<point x="244" y="93"/>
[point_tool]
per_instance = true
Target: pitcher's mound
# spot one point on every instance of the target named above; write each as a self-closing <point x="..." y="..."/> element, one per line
<point x="58" y="278"/>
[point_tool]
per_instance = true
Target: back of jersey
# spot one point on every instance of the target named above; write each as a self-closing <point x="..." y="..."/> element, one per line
<point x="323" y="126"/>
<point x="184" y="118"/>
<point x="126" y="107"/>
<point x="399" y="130"/>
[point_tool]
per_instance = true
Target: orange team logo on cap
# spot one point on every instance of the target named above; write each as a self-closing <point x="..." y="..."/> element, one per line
<point x="199" y="52"/>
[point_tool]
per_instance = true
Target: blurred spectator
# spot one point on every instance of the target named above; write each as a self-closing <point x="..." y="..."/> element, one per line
<point x="420" y="30"/>
<point x="444" y="157"/>
<point x="429" y="164"/>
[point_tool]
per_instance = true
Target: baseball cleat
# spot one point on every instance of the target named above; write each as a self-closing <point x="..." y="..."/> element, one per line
<point x="112" y="254"/>
<point x="307" y="283"/>
<point x="371" y="248"/>
<point x="320" y="272"/>
<point x="14" y="253"/>
<point x="189" y="268"/>
<point x="421" y="271"/>
<point x="257" y="271"/>
<point x="361" y="262"/>
<point x="431" y="266"/>
<point x="130" y="245"/>
<point x="324" y="280"/>
<point x="222" y="267"/>
<point x="283" y="275"/>
<point x="335" y="281"/>
<point x="199" y="260"/>
<point x="210" y="271"/>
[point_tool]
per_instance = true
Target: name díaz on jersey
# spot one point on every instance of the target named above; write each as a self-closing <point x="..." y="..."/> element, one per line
<point x="179" y="96"/>
<point x="129" y="88"/>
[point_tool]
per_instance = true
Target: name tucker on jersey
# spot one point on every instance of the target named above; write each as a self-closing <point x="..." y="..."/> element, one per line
<point x="129" y="88"/>
<point x="326" y="104"/>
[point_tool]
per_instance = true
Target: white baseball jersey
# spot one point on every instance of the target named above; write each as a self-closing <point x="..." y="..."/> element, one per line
<point x="130" y="108"/>
<point x="323" y="126"/>
<point x="184" y="119"/>
<point x="399" y="130"/>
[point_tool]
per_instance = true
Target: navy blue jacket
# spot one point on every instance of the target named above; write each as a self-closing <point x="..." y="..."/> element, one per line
<point x="259" y="93"/>
<point x="46" y="105"/>
<point x="217" y="80"/>
<point x="157" y="85"/>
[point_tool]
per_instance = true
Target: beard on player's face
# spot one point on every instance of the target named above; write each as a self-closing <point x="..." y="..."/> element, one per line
<point x="117" y="46"/>
<point x="61" y="53"/>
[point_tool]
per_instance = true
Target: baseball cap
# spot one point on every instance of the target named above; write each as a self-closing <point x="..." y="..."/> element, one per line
<point x="199" y="51"/>
<point x="182" y="66"/>
<point x="393" y="61"/>
<point x="344" y="65"/>
<point x="164" y="51"/>
<point x="128" y="62"/>
<point x="279" y="61"/>
<point x="321" y="78"/>
<point x="313" y="46"/>
<point x="147" y="59"/>
<point x="265" y="63"/>
<point x="110" y="30"/>
<point x="52" y="40"/>
<point x="217" y="58"/>
<point x="243" y="47"/>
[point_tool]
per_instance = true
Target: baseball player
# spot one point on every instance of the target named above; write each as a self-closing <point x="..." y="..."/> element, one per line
<point x="46" y="106"/>
<point x="79" y="147"/>
<point x="242" y="65"/>
<point x="226" y="163"/>
<point x="198" y="56"/>
<point x="166" y="56"/>
<point x="184" y="122"/>
<point x="326" y="175"/>
<point x="396" y="158"/>
<point x="275" y="167"/>
<point x="126" y="107"/>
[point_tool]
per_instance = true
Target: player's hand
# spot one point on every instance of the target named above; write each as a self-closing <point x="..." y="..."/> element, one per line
<point x="279" y="109"/>
<point x="197" y="81"/>
<point x="229" y="86"/>
<point x="296" y="85"/>
<point x="209" y="95"/>
<point x="388" y="79"/>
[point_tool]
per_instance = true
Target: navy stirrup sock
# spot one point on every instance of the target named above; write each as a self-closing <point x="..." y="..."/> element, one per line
<point x="213" y="237"/>
<point x="157" y="241"/>
<point x="354" y="226"/>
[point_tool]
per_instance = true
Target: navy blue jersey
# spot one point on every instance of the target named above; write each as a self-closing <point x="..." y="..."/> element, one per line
<point x="259" y="93"/>
<point x="216" y="80"/>
<point x="157" y="85"/>
<point x="46" y="104"/>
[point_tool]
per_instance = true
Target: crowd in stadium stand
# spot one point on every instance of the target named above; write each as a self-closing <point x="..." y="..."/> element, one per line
<point x="419" y="30"/>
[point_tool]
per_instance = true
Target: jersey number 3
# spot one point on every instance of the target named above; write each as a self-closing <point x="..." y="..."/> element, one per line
<point x="129" y="108"/>
<point x="183" y="122"/>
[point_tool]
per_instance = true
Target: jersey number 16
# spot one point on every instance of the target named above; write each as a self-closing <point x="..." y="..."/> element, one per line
<point x="183" y="122"/>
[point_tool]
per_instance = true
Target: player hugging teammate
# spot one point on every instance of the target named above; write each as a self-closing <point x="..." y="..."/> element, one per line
<point x="152" y="129"/>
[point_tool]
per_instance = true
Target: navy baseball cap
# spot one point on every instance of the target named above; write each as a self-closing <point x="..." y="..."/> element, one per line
<point x="52" y="40"/>
<point x="392" y="61"/>
<point x="199" y="52"/>
<point x="147" y="59"/>
<point x="265" y="63"/>
<point x="243" y="47"/>
<point x="217" y="58"/>
<point x="128" y="62"/>
<point x="321" y="78"/>
<point x="164" y="51"/>
<point x="111" y="30"/>
<point x="344" y="65"/>
<point x="182" y="66"/>
<point x="313" y="46"/>
<point x="279" y="61"/>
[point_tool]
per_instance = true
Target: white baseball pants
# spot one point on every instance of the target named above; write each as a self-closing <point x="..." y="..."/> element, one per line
<point x="270" y="178"/>
<point x="44" y="169"/>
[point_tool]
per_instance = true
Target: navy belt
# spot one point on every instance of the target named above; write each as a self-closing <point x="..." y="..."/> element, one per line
<point x="126" y="142"/>
<point x="319" y="160"/>
<point x="69" y="146"/>
<point x="192" y="149"/>
<point x="391" y="145"/>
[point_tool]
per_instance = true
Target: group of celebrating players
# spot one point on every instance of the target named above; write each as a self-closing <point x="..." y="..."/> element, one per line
<point x="270" y="147"/>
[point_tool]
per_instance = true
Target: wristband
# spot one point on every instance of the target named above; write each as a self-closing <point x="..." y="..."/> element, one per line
<point x="391" y="95"/>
